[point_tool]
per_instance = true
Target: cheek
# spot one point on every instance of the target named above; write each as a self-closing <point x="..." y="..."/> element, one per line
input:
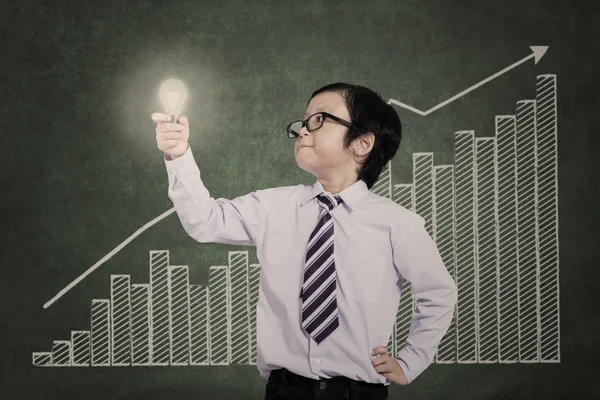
<point x="331" y="147"/>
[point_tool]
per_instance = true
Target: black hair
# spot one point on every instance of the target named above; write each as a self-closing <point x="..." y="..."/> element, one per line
<point x="369" y="113"/>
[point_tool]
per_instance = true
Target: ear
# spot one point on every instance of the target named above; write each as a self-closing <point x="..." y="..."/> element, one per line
<point x="363" y="145"/>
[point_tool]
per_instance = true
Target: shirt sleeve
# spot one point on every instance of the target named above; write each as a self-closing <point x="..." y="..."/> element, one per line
<point x="204" y="218"/>
<point x="418" y="260"/>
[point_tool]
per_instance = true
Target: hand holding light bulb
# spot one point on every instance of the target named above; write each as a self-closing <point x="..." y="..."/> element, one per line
<point x="172" y="130"/>
<point x="171" y="138"/>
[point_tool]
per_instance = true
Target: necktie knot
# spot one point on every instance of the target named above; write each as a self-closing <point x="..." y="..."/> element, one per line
<point x="328" y="201"/>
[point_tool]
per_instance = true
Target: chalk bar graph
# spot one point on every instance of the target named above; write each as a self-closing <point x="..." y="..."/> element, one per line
<point x="493" y="215"/>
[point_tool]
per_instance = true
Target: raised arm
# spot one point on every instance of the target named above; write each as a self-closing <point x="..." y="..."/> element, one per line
<point x="204" y="218"/>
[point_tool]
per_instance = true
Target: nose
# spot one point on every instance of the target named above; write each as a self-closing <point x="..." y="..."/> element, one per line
<point x="304" y="132"/>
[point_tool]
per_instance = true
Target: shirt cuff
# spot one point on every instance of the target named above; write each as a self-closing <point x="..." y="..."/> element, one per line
<point x="406" y="358"/>
<point x="183" y="160"/>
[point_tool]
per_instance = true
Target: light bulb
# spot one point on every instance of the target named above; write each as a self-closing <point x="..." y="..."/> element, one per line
<point x="173" y="94"/>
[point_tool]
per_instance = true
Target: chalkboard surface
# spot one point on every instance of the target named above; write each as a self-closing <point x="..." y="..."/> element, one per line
<point x="499" y="104"/>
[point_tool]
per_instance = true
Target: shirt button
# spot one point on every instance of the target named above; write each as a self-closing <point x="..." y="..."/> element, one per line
<point x="317" y="361"/>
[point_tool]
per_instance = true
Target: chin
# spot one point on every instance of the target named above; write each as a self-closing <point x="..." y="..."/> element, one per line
<point x="304" y="166"/>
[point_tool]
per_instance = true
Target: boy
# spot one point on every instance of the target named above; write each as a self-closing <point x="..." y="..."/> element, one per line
<point x="333" y="255"/>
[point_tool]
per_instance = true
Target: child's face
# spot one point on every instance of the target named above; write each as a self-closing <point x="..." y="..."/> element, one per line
<point x="321" y="152"/>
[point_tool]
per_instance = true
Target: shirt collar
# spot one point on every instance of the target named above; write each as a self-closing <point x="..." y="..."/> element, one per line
<point x="352" y="195"/>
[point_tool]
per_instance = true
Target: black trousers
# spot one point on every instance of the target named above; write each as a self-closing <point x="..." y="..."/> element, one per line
<point x="285" y="385"/>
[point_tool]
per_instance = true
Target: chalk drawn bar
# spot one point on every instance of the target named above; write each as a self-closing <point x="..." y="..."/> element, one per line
<point x="383" y="186"/>
<point x="220" y="348"/>
<point x="527" y="233"/>
<point x="61" y="353"/>
<point x="100" y="327"/>
<point x="80" y="343"/>
<point x="121" y="319"/>
<point x="465" y="242"/>
<point x="423" y="185"/>
<point x="238" y="270"/>
<point x="423" y="190"/>
<point x="547" y="206"/>
<point x="486" y="253"/>
<point x="403" y="194"/>
<point x="179" y="314"/>
<point x="42" y="358"/>
<point x="253" y="284"/>
<point x="443" y="227"/>
<point x="199" y="324"/>
<point x="140" y="324"/>
<point x="159" y="301"/>
<point x="508" y="276"/>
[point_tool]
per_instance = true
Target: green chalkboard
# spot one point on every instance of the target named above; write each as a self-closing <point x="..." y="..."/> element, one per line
<point x="85" y="213"/>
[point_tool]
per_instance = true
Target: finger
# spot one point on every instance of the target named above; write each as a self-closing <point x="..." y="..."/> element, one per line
<point x="159" y="117"/>
<point x="382" y="369"/>
<point x="168" y="127"/>
<point x="172" y="126"/>
<point x="180" y="144"/>
<point x="170" y="135"/>
<point x="169" y="144"/>
<point x="380" y="350"/>
<point x="183" y="120"/>
<point x="379" y="361"/>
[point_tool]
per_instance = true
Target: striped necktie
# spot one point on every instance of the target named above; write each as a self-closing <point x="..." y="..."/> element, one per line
<point x="319" y="304"/>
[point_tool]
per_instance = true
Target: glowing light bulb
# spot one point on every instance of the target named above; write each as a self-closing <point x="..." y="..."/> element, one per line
<point x="173" y="95"/>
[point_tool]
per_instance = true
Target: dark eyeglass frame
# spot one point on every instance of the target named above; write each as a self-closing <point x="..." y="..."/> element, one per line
<point x="325" y="116"/>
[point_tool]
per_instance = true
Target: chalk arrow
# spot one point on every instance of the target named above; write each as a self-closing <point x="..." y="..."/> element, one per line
<point x="108" y="256"/>
<point x="537" y="53"/>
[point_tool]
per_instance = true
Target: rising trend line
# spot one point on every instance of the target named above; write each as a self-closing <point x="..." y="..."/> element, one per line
<point x="108" y="256"/>
<point x="537" y="53"/>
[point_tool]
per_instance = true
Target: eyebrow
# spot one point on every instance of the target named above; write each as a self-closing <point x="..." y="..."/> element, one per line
<point x="315" y="111"/>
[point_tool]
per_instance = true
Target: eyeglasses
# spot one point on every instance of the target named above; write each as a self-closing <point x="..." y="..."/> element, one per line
<point x="312" y="123"/>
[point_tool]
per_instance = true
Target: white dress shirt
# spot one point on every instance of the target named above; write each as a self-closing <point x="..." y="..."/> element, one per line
<point x="377" y="245"/>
